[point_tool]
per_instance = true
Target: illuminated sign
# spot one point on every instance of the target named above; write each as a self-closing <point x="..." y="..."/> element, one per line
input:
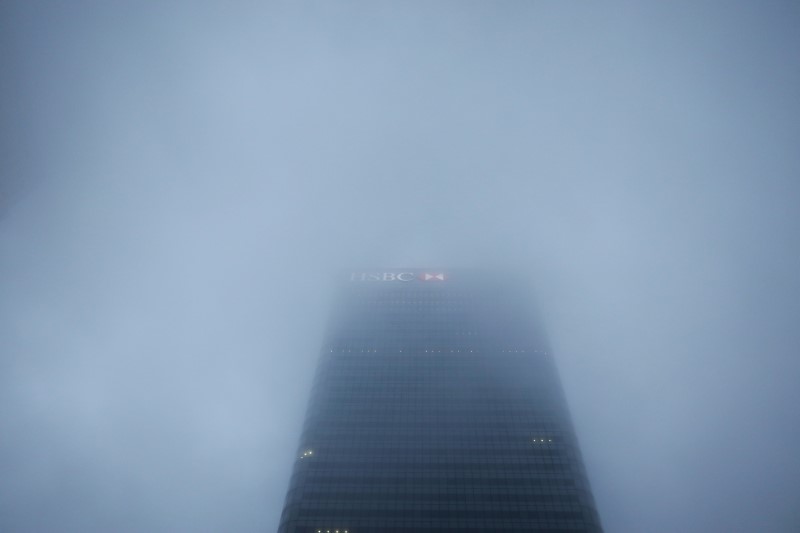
<point x="397" y="276"/>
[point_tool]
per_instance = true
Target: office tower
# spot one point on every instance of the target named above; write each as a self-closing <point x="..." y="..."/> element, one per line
<point x="436" y="407"/>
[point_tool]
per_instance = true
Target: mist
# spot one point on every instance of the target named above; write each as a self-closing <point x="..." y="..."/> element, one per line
<point x="182" y="180"/>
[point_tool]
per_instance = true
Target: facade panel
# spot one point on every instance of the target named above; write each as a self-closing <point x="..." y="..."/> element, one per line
<point x="436" y="407"/>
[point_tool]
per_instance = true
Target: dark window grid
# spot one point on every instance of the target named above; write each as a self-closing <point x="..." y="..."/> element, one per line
<point x="466" y="496"/>
<point x="423" y="504"/>
<point x="440" y="514"/>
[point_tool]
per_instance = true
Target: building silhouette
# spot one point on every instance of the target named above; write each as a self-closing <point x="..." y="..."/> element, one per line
<point x="436" y="407"/>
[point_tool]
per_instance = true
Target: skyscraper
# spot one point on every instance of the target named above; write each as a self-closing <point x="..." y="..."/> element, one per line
<point x="436" y="407"/>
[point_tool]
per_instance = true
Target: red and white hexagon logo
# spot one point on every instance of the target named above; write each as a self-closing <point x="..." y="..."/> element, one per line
<point x="428" y="276"/>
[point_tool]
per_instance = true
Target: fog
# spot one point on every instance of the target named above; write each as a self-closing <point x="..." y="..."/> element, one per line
<point x="180" y="181"/>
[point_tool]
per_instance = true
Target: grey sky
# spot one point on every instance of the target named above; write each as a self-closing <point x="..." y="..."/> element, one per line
<point x="181" y="178"/>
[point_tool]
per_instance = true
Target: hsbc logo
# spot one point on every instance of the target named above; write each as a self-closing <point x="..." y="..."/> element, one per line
<point x="397" y="276"/>
<point x="382" y="276"/>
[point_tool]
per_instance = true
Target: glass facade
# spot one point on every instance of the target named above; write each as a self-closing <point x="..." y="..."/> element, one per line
<point x="436" y="407"/>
